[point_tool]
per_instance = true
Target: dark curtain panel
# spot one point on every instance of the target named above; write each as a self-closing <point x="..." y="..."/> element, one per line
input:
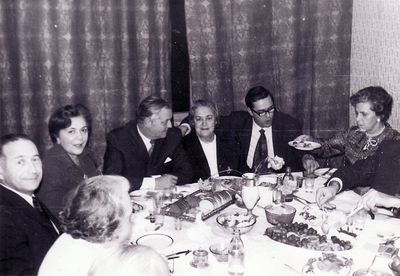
<point x="300" y="50"/>
<point x="105" y="54"/>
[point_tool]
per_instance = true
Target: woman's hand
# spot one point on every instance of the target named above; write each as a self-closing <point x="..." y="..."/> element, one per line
<point x="309" y="163"/>
<point x="326" y="194"/>
<point x="372" y="199"/>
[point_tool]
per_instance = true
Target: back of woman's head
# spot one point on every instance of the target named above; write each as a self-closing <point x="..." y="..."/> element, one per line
<point x="61" y="119"/>
<point x="381" y="101"/>
<point x="128" y="260"/>
<point x="97" y="208"/>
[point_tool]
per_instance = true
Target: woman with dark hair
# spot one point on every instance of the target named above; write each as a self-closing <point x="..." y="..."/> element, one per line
<point x="69" y="161"/>
<point x="209" y="154"/>
<point x="95" y="219"/>
<point x="373" y="106"/>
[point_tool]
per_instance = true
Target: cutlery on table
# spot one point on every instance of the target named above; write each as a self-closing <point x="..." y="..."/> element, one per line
<point x="302" y="199"/>
<point x="326" y="172"/>
<point x="177" y="254"/>
<point x="355" y="210"/>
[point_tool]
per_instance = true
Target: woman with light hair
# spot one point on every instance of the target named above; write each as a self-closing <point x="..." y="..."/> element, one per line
<point x="96" y="217"/>
<point x="129" y="260"/>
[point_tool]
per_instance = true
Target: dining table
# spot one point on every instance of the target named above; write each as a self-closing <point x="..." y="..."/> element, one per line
<point x="263" y="256"/>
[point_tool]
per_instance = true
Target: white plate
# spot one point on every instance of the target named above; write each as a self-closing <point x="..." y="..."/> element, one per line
<point x="304" y="145"/>
<point x="155" y="241"/>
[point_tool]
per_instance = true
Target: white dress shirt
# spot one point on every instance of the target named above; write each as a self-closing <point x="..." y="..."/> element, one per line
<point x="148" y="182"/>
<point x="255" y="135"/>
<point x="210" y="151"/>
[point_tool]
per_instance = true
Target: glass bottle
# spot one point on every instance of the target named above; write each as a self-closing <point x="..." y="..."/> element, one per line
<point x="236" y="255"/>
<point x="289" y="182"/>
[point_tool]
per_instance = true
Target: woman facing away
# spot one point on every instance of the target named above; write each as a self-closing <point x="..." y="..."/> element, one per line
<point x="96" y="218"/>
<point x="132" y="260"/>
<point x="373" y="106"/>
<point x="69" y="161"/>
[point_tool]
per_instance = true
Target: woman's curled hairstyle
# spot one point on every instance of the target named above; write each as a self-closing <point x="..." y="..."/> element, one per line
<point x="61" y="119"/>
<point x="381" y="101"/>
<point x="95" y="208"/>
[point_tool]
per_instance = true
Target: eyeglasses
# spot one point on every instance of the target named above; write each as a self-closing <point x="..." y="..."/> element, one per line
<point x="262" y="113"/>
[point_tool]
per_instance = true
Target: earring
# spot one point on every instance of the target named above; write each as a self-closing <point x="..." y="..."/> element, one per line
<point x="378" y="120"/>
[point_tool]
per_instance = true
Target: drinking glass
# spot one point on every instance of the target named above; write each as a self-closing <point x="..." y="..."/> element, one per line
<point x="200" y="258"/>
<point x="250" y="194"/>
<point x="359" y="220"/>
<point x="309" y="184"/>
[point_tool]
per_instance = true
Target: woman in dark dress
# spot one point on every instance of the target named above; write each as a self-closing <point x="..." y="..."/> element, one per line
<point x="210" y="154"/>
<point x="69" y="161"/>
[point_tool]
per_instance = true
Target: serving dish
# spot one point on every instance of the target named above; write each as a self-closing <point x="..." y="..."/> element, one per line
<point x="302" y="236"/>
<point x="234" y="220"/>
<point x="281" y="213"/>
<point x="156" y="241"/>
<point x="304" y="145"/>
<point x="328" y="264"/>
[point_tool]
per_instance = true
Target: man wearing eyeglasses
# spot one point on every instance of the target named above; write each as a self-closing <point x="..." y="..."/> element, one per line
<point x="263" y="118"/>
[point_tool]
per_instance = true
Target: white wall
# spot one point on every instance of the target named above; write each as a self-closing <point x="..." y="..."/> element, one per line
<point x="375" y="50"/>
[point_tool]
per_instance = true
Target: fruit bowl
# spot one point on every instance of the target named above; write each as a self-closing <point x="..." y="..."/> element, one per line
<point x="235" y="220"/>
<point x="280" y="214"/>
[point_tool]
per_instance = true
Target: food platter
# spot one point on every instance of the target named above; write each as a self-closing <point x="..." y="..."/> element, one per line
<point x="302" y="236"/>
<point x="328" y="264"/>
<point x="304" y="145"/>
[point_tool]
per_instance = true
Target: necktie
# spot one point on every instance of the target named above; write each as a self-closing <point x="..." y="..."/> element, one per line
<point x="151" y="147"/>
<point x="261" y="149"/>
<point x="38" y="207"/>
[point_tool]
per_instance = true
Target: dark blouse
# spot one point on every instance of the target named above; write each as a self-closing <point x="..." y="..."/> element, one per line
<point x="355" y="144"/>
<point x="61" y="174"/>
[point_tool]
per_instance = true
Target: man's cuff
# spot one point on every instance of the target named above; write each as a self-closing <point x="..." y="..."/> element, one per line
<point x="338" y="180"/>
<point x="149" y="183"/>
<point x="189" y="129"/>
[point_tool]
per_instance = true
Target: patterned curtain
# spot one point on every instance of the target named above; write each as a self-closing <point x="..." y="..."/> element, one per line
<point x="299" y="49"/>
<point x="105" y="54"/>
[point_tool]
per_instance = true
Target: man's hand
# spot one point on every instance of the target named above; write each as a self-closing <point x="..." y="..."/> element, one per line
<point x="165" y="181"/>
<point x="326" y="194"/>
<point x="185" y="129"/>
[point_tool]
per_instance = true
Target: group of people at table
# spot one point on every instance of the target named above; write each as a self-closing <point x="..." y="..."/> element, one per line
<point x="63" y="215"/>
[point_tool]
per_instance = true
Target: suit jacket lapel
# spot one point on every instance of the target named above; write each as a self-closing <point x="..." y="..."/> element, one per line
<point x="137" y="145"/>
<point x="24" y="208"/>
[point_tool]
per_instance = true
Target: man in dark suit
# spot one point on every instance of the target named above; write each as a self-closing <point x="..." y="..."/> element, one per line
<point x="27" y="231"/>
<point x="148" y="147"/>
<point x="278" y="129"/>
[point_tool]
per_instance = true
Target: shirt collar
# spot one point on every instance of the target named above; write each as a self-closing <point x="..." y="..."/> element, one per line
<point x="144" y="138"/>
<point x="257" y="127"/>
<point x="27" y="198"/>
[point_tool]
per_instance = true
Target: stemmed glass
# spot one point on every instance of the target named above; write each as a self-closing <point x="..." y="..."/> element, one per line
<point x="250" y="195"/>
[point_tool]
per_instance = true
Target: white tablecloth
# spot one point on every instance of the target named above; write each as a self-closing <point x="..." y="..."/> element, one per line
<point x="264" y="256"/>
